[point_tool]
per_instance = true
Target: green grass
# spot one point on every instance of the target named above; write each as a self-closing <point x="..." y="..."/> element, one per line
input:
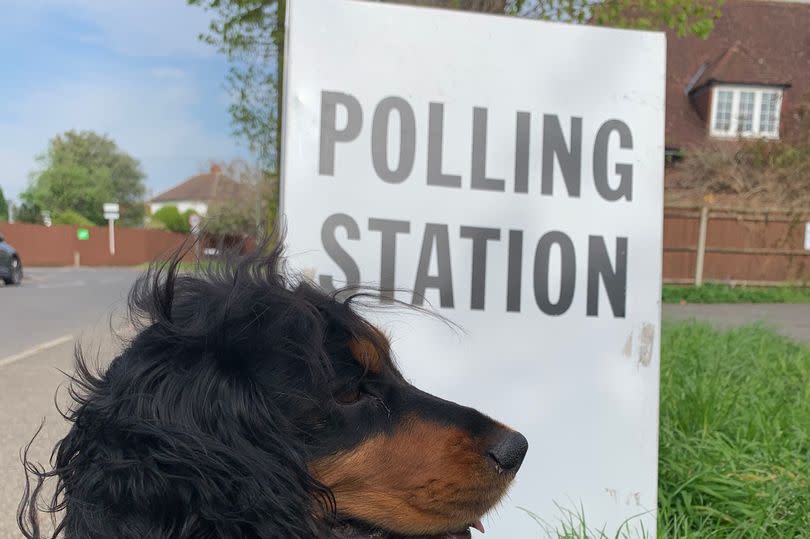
<point x="734" y="453"/>
<point x="720" y="293"/>
<point x="735" y="434"/>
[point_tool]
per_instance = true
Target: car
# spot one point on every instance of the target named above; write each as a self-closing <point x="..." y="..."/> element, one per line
<point x="11" y="270"/>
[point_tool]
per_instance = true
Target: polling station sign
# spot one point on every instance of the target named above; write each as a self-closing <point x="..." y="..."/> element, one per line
<point x="508" y="174"/>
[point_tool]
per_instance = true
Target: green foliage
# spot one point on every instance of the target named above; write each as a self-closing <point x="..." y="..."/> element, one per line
<point x="734" y="441"/>
<point x="80" y="171"/>
<point x="230" y="218"/>
<point x="250" y="33"/>
<point x="28" y="213"/>
<point x="70" y="217"/>
<point x="251" y="206"/>
<point x="172" y="219"/>
<point x="3" y="206"/>
<point x="721" y="293"/>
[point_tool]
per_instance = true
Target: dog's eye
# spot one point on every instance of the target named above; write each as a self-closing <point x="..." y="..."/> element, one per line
<point x="350" y="395"/>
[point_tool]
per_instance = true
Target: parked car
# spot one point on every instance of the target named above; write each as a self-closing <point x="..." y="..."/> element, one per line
<point x="11" y="270"/>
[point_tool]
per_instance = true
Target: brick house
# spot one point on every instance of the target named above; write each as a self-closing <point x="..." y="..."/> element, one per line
<point x="198" y="192"/>
<point x="750" y="78"/>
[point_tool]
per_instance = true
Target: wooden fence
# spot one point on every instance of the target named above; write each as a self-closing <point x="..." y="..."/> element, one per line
<point x="735" y="245"/>
<point x="59" y="245"/>
<point x="701" y="244"/>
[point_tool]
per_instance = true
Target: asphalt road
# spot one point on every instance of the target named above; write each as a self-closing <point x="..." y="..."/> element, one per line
<point x="41" y="320"/>
<point x="39" y="323"/>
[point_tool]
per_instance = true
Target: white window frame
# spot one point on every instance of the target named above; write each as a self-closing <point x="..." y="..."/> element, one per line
<point x="735" y="110"/>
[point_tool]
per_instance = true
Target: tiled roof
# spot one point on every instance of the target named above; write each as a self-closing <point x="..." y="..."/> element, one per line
<point x="204" y="188"/>
<point x="754" y="42"/>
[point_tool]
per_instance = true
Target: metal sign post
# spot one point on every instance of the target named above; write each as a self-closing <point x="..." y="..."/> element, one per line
<point x="111" y="213"/>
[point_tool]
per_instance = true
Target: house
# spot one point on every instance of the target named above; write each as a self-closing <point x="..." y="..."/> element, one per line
<point x="750" y="78"/>
<point x="198" y="192"/>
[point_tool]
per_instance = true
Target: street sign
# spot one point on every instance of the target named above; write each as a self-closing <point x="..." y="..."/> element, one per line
<point x="514" y="183"/>
<point x="111" y="211"/>
<point x="82" y="234"/>
<point x="194" y="221"/>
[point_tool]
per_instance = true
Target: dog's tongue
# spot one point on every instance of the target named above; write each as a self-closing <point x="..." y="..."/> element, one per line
<point x="478" y="526"/>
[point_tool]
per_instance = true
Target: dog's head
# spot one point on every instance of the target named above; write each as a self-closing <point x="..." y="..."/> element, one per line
<point x="249" y="405"/>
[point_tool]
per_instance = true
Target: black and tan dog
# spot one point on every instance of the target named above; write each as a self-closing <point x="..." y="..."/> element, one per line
<point x="250" y="405"/>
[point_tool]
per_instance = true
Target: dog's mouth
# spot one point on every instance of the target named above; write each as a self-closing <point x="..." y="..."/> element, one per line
<point x="354" y="529"/>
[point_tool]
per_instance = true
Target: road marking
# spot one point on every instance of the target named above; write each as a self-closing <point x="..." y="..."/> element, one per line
<point x="35" y="350"/>
<point x="71" y="284"/>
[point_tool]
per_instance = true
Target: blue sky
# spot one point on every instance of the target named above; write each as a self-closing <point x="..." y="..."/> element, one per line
<point x="132" y="69"/>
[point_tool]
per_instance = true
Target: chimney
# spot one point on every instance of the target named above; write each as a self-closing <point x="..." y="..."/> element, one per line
<point x="215" y="169"/>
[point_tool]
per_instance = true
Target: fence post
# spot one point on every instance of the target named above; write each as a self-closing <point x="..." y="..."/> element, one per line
<point x="701" y="246"/>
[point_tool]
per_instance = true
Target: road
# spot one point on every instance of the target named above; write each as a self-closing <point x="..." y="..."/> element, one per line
<point x="41" y="320"/>
<point x="39" y="323"/>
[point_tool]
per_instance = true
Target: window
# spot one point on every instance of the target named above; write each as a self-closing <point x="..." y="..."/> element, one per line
<point x="769" y="114"/>
<point x="722" y="113"/>
<point x="745" y="122"/>
<point x="746" y="111"/>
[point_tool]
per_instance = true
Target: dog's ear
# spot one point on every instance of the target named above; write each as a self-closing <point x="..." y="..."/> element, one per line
<point x="370" y="348"/>
<point x="127" y="469"/>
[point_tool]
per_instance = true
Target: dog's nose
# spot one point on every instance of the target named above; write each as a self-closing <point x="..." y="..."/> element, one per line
<point x="509" y="452"/>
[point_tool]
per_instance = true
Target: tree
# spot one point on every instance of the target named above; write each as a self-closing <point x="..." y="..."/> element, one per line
<point x="172" y="219"/>
<point x="3" y="206"/>
<point x="70" y="217"/>
<point x="28" y="213"/>
<point x="80" y="171"/>
<point x="252" y="204"/>
<point x="251" y="35"/>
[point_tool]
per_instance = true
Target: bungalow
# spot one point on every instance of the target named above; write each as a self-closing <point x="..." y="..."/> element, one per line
<point x="750" y="78"/>
<point x="198" y="192"/>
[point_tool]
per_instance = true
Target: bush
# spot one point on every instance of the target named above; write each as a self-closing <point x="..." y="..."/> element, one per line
<point x="70" y="217"/>
<point x="231" y="218"/>
<point x="29" y="213"/>
<point x="171" y="217"/>
<point x="3" y="206"/>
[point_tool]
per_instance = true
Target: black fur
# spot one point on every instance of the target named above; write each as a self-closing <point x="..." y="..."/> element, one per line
<point x="238" y="379"/>
<point x="204" y="425"/>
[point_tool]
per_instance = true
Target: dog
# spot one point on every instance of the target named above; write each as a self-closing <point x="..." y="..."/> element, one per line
<point x="251" y="404"/>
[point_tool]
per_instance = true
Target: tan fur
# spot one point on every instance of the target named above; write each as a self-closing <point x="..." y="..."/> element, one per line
<point x="371" y="351"/>
<point x="424" y="478"/>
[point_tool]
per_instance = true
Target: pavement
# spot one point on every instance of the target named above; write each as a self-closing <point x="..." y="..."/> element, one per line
<point x="788" y="319"/>
<point x="41" y="320"/>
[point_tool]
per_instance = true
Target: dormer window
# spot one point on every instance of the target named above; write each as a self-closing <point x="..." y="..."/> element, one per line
<point x="745" y="111"/>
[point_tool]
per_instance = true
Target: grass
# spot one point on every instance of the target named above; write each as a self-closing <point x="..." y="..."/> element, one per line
<point x="734" y="453"/>
<point x="721" y="293"/>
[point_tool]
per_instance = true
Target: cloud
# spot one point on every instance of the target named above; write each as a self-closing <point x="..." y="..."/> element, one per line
<point x="151" y="28"/>
<point x="152" y="114"/>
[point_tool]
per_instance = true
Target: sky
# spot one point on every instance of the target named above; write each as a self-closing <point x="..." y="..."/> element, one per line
<point x="132" y="69"/>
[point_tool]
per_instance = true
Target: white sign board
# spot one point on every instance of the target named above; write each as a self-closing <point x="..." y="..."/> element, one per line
<point x="510" y="171"/>
<point x="111" y="210"/>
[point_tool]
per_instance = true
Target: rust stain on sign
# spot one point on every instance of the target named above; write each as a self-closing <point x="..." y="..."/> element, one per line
<point x="645" y="344"/>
